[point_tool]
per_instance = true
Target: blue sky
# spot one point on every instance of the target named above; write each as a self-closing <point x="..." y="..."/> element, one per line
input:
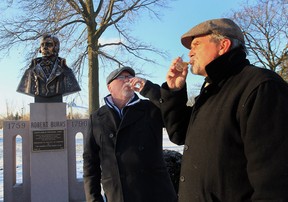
<point x="164" y="34"/>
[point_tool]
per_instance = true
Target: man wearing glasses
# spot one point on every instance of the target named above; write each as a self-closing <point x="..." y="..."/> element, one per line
<point x="123" y="147"/>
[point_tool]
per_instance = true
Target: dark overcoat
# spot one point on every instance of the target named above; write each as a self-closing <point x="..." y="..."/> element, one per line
<point x="126" y="156"/>
<point x="235" y="136"/>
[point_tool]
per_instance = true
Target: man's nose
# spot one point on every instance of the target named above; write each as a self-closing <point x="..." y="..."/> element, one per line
<point x="191" y="52"/>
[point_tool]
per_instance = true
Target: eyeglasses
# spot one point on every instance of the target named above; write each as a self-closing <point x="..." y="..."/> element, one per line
<point x="123" y="77"/>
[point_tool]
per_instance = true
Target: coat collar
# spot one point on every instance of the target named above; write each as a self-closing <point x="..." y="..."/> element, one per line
<point x="109" y="102"/>
<point x="226" y="65"/>
<point x="133" y="113"/>
<point x="57" y="70"/>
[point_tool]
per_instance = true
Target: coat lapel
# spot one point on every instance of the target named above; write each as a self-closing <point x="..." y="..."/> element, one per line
<point x="132" y="115"/>
<point x="109" y="117"/>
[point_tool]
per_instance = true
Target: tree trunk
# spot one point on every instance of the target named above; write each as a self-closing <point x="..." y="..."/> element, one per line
<point x="93" y="72"/>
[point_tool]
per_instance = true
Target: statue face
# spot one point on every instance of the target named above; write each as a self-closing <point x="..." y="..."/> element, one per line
<point x="47" y="47"/>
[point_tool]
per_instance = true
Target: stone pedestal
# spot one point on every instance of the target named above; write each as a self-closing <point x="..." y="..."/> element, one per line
<point x="49" y="155"/>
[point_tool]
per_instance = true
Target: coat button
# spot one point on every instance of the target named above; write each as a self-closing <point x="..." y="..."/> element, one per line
<point x="182" y="178"/>
<point x="186" y="147"/>
<point x="111" y="135"/>
<point x="141" y="148"/>
<point x="161" y="100"/>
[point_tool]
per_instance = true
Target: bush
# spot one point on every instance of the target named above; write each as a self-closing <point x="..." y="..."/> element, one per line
<point x="173" y="163"/>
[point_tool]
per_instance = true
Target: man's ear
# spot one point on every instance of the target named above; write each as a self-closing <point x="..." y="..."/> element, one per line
<point x="225" y="45"/>
<point x="109" y="87"/>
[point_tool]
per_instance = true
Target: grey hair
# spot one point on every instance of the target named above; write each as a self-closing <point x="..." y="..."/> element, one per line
<point x="235" y="43"/>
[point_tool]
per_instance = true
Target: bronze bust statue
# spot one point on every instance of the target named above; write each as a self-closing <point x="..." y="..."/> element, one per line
<point x="48" y="78"/>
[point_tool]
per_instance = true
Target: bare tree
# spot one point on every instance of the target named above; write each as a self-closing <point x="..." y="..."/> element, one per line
<point x="265" y="27"/>
<point x="284" y="70"/>
<point x="80" y="25"/>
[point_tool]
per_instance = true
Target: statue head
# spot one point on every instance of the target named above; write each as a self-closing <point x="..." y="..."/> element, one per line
<point x="49" y="45"/>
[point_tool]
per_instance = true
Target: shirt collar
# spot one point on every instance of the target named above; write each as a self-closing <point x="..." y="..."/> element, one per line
<point x="109" y="102"/>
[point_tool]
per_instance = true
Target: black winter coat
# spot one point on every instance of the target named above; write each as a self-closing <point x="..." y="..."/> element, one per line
<point x="235" y="136"/>
<point x="126" y="156"/>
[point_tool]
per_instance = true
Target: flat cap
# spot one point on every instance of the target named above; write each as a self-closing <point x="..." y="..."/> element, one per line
<point x="222" y="26"/>
<point x="113" y="75"/>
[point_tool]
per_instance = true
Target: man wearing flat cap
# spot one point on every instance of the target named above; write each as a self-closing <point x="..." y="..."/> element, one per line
<point x="235" y="136"/>
<point x="123" y="147"/>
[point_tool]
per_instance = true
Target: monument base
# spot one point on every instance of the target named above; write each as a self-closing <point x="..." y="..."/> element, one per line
<point x="49" y="156"/>
<point x="49" y="145"/>
<point x="57" y="98"/>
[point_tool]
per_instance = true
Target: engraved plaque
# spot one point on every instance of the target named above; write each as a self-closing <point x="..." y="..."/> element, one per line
<point x="44" y="140"/>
